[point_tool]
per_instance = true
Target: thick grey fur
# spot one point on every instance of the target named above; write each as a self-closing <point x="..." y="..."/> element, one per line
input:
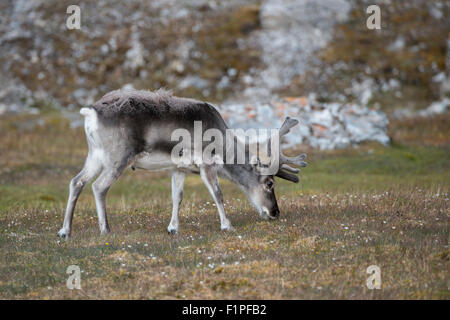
<point x="131" y="123"/>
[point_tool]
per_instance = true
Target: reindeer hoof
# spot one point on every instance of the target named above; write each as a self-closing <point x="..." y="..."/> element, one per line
<point x="64" y="234"/>
<point x="105" y="232"/>
<point x="227" y="228"/>
<point x="172" y="232"/>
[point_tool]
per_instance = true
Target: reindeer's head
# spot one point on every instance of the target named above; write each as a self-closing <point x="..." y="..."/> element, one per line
<point x="261" y="188"/>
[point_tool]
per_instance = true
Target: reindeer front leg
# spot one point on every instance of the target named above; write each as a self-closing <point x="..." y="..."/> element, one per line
<point x="177" y="196"/>
<point x="209" y="177"/>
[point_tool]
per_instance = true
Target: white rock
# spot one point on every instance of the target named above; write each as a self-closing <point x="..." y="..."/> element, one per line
<point x="324" y="126"/>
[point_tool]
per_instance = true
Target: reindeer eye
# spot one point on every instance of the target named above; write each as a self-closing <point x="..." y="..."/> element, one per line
<point x="269" y="184"/>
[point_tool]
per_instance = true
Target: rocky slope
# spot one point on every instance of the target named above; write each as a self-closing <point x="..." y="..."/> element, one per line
<point x="234" y="53"/>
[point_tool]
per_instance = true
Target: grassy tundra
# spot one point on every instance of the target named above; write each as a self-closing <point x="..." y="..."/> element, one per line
<point x="353" y="208"/>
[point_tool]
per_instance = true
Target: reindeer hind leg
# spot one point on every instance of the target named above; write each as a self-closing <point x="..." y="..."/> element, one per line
<point x="90" y="170"/>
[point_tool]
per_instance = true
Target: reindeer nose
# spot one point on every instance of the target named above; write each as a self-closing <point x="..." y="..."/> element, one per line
<point x="275" y="213"/>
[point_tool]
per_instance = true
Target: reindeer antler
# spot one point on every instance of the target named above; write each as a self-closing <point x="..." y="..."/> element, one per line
<point x="285" y="171"/>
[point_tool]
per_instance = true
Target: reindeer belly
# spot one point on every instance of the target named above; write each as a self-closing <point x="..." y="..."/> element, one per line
<point x="154" y="161"/>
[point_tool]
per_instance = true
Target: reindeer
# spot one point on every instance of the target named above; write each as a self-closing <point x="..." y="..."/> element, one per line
<point x="131" y="128"/>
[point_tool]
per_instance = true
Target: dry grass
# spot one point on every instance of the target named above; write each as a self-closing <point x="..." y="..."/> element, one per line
<point x="353" y="209"/>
